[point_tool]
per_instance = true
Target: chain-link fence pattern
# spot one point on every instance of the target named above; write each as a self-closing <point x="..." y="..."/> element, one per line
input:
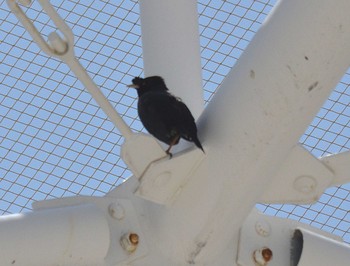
<point x="55" y="141"/>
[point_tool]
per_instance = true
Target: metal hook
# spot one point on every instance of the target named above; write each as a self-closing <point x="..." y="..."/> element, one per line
<point x="138" y="151"/>
<point x="56" y="46"/>
<point x="63" y="49"/>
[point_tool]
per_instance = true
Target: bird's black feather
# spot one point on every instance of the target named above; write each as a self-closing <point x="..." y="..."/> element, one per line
<point x="164" y="116"/>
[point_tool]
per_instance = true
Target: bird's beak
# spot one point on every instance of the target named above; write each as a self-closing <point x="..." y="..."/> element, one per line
<point x="133" y="86"/>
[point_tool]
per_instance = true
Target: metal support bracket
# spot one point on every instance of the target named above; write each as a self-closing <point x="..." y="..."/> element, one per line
<point x="302" y="178"/>
<point x="164" y="179"/>
<point x="272" y="241"/>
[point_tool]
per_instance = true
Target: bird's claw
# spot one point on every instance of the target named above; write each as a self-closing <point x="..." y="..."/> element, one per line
<point x="170" y="154"/>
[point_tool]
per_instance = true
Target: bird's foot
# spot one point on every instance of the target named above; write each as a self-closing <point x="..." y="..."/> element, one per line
<point x="170" y="154"/>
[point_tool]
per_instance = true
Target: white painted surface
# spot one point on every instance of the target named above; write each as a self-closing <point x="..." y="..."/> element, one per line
<point x="75" y="235"/>
<point x="170" y="43"/>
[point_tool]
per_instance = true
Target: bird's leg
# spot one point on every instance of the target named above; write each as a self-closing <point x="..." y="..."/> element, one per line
<point x="172" y="143"/>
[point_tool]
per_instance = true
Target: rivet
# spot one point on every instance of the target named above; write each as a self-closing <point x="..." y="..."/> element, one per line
<point x="162" y="179"/>
<point x="262" y="228"/>
<point x="305" y="184"/>
<point x="116" y="211"/>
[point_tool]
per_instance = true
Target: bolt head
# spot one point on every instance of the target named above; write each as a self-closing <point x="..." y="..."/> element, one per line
<point x="266" y="254"/>
<point x="262" y="228"/>
<point x="116" y="211"/>
<point x="305" y="184"/>
<point x="262" y="256"/>
<point x="129" y="242"/>
<point x="134" y="238"/>
<point x="162" y="179"/>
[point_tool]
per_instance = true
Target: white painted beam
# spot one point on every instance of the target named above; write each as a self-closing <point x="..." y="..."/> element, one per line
<point x="340" y="165"/>
<point x="170" y="43"/>
<point x="259" y="113"/>
<point x="77" y="235"/>
<point x="322" y="251"/>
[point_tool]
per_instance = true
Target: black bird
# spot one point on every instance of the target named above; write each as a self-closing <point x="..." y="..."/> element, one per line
<point x="164" y="116"/>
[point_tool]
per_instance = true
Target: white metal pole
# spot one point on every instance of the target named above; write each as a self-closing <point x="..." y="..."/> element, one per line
<point x="170" y="44"/>
<point x="322" y="251"/>
<point x="76" y="235"/>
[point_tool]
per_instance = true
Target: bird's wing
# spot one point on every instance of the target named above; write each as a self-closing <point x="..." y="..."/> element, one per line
<point x="159" y="115"/>
<point x="187" y="124"/>
<point x="164" y="115"/>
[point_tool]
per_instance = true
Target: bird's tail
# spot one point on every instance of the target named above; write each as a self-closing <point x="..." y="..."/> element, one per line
<point x="198" y="143"/>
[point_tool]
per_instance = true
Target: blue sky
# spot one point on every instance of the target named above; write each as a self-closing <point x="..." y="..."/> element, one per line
<point x="55" y="141"/>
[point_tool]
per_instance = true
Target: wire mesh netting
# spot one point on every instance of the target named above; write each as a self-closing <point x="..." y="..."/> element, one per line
<point x="55" y="141"/>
